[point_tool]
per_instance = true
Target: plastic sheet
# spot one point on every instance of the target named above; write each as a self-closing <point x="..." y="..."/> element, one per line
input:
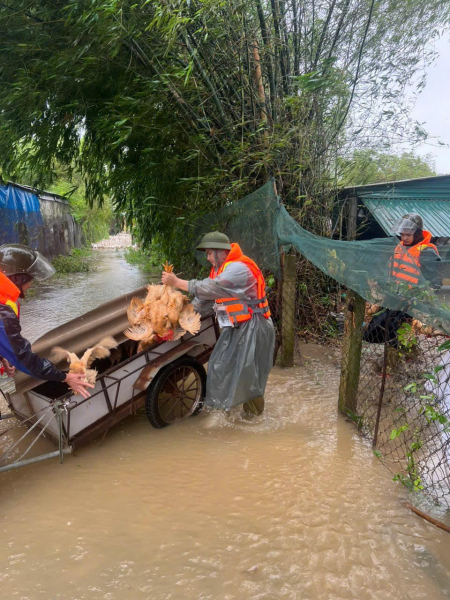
<point x="252" y="223"/>
<point x="20" y="216"/>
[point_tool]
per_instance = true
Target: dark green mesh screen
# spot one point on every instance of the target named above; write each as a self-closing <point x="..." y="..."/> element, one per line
<point x="262" y="227"/>
<point x="252" y="223"/>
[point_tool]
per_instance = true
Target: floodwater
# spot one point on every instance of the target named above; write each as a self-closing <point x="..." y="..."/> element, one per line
<point x="291" y="505"/>
<point x="63" y="297"/>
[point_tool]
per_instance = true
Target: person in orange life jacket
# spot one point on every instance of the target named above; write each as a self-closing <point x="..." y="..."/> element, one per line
<point x="243" y="355"/>
<point x="19" y="265"/>
<point x="415" y="258"/>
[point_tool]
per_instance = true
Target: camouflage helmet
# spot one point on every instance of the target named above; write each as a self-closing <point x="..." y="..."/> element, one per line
<point x="409" y="223"/>
<point x="17" y="258"/>
<point x="214" y="241"/>
<point x="415" y="218"/>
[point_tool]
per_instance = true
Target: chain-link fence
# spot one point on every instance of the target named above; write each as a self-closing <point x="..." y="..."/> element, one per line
<point x="395" y="385"/>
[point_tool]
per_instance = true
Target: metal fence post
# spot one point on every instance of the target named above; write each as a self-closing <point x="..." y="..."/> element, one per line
<point x="288" y="311"/>
<point x="351" y="352"/>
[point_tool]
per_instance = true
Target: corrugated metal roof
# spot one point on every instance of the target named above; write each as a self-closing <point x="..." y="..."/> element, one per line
<point x="425" y="188"/>
<point x="421" y="181"/>
<point x="42" y="194"/>
<point x="435" y="213"/>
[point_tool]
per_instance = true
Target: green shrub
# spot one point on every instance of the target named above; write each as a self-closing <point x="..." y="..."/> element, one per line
<point x="84" y="252"/>
<point x="148" y="259"/>
<point x="72" y="264"/>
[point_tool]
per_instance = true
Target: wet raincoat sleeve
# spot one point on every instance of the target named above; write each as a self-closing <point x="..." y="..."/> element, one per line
<point x="17" y="350"/>
<point x="203" y="307"/>
<point x="243" y="356"/>
<point x="235" y="282"/>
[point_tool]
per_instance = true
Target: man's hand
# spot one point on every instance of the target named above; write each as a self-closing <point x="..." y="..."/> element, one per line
<point x="77" y="382"/>
<point x="172" y="280"/>
<point x="169" y="279"/>
<point x="9" y="368"/>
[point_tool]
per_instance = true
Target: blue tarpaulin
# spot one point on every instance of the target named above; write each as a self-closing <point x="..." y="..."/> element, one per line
<point x="20" y="216"/>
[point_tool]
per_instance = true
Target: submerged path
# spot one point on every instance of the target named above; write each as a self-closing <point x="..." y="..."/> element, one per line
<point x="64" y="297"/>
<point x="292" y="505"/>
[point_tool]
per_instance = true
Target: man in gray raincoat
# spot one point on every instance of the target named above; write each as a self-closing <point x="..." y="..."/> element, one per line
<point x="243" y="355"/>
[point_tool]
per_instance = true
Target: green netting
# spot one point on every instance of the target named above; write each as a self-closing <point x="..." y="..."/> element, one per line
<point x="262" y="227"/>
<point x="252" y="223"/>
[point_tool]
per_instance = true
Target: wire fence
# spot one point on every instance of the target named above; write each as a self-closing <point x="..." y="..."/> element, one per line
<point x="395" y="373"/>
<point x="395" y="385"/>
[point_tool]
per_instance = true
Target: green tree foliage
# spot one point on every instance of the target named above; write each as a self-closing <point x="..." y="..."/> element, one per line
<point x="186" y="105"/>
<point x="367" y="166"/>
<point x="95" y="219"/>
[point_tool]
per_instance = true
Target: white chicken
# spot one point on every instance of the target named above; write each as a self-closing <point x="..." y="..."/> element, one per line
<point x="81" y="365"/>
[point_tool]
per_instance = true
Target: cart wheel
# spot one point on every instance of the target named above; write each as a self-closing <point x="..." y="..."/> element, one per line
<point x="177" y="392"/>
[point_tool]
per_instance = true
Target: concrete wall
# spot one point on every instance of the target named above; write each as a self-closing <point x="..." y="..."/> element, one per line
<point x="60" y="232"/>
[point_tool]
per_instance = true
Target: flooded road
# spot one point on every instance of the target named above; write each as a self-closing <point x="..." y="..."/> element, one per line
<point x="292" y="505"/>
<point x="65" y="296"/>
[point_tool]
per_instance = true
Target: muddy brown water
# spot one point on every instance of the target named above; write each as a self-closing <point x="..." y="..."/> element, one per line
<point x="292" y="505"/>
<point x="63" y="297"/>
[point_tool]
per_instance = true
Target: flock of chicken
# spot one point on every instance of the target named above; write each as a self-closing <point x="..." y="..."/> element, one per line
<point x="165" y="314"/>
<point x="82" y="365"/>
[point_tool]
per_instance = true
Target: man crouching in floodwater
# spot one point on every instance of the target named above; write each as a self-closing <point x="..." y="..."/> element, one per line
<point x="243" y="355"/>
<point x="19" y="265"/>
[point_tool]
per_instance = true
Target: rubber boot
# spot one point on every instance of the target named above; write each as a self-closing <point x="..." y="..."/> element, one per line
<point x="255" y="406"/>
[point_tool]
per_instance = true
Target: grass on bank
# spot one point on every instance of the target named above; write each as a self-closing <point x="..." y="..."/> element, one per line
<point x="147" y="260"/>
<point x="79" y="261"/>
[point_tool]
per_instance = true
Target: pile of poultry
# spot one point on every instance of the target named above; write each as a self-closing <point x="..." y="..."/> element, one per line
<point x="164" y="315"/>
<point x="81" y="365"/>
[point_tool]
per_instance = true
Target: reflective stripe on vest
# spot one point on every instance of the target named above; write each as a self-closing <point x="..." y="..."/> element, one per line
<point x="13" y="305"/>
<point x="239" y="310"/>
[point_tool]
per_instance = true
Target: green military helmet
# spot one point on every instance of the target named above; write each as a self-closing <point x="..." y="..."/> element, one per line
<point x="214" y="241"/>
<point x="17" y="258"/>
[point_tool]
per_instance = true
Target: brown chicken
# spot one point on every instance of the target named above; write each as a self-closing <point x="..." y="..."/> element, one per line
<point x="164" y="315"/>
<point x="81" y="365"/>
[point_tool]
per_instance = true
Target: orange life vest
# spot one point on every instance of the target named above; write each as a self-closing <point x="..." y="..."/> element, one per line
<point x="240" y="310"/>
<point x="9" y="293"/>
<point x="405" y="266"/>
